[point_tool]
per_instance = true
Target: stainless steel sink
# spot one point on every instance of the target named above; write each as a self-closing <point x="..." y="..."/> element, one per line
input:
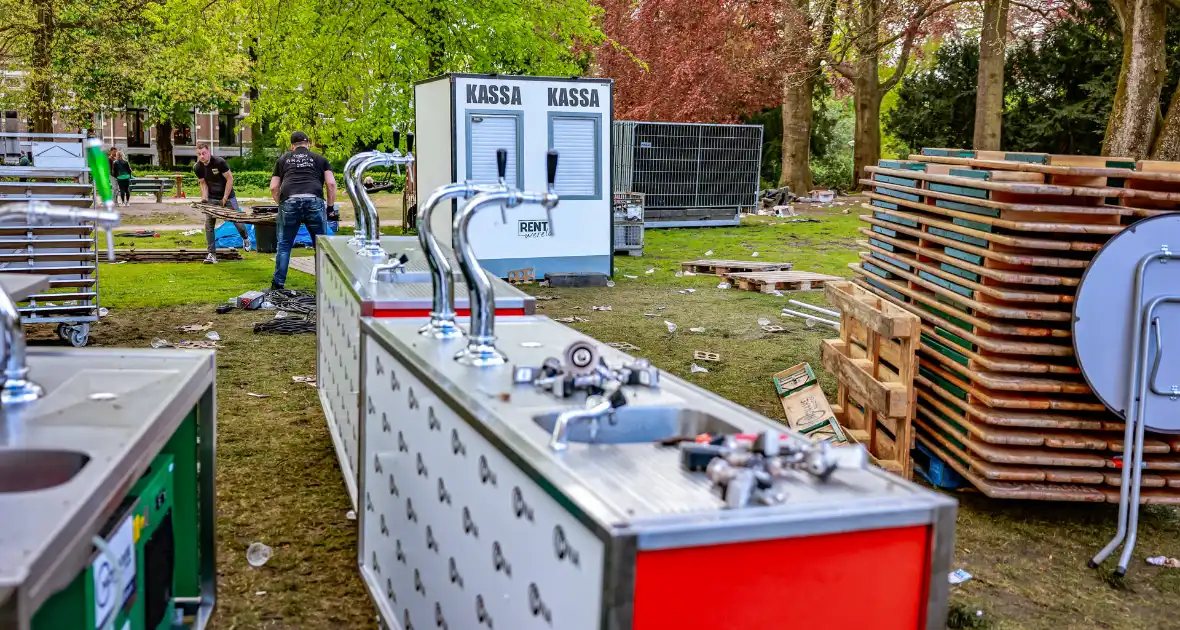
<point x="639" y="424"/>
<point x="409" y="276"/>
<point x="28" y="470"/>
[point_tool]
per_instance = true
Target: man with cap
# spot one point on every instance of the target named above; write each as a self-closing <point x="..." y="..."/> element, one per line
<point x="297" y="184"/>
<point x="217" y="188"/>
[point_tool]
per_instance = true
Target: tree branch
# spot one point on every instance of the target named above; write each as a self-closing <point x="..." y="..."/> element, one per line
<point x="902" y="61"/>
<point x="1048" y="15"/>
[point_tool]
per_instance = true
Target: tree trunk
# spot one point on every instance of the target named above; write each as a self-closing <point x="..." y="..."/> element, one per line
<point x="1136" y="101"/>
<point x="797" y="110"/>
<point x="989" y="98"/>
<point x="164" y="145"/>
<point x="256" y="144"/>
<point x="866" y="102"/>
<point x="1167" y="144"/>
<point x="41" y="75"/>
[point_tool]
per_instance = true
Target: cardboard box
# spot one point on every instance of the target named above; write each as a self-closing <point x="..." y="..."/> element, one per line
<point x="807" y="409"/>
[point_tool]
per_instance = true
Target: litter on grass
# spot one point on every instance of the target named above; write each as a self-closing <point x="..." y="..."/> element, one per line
<point x="651" y="315"/>
<point x="650" y="271"/>
<point x="253" y="395"/>
<point x="630" y="277"/>
<point x="696" y="369"/>
<point x="310" y="380"/>
<point x="958" y="576"/>
<point x="688" y="291"/>
<point x="696" y="330"/>
<point x="709" y="253"/>
<point x="755" y="254"/>
<point x="350" y="515"/>
<point x="213" y="336"/>
<point x="1164" y="561"/>
<point x="670" y="325"/>
<point x="195" y="327"/>
<point x="762" y="321"/>
<point x="601" y="308"/>
<point x="723" y="285"/>
<point x="161" y="343"/>
<point x="610" y="283"/>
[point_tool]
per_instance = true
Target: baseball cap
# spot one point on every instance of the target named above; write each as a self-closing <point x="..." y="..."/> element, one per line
<point x="298" y="137"/>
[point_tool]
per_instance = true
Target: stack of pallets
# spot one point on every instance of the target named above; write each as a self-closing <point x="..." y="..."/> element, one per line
<point x="988" y="249"/>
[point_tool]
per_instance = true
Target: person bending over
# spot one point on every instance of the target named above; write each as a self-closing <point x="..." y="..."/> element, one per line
<point x="297" y="185"/>
<point x="217" y="187"/>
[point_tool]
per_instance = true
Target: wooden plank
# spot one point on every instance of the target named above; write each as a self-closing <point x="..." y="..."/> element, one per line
<point x="1000" y="275"/>
<point x="1016" y="188"/>
<point x="888" y="398"/>
<point x="1011" y="258"/>
<point x="1058" y="227"/>
<point x="1030" y="419"/>
<point x="929" y="421"/>
<point x="865" y="307"/>
<point x="174" y="255"/>
<point x="771" y="281"/>
<point x="1006" y="382"/>
<point x="722" y="267"/>
<point x="980" y="238"/>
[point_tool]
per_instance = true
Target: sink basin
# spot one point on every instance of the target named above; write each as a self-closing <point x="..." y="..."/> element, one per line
<point x="27" y="470"/>
<point x="398" y="277"/>
<point x="636" y="425"/>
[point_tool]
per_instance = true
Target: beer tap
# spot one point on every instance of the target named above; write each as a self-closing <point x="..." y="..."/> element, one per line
<point x="371" y="241"/>
<point x="442" y="316"/>
<point x="351" y="184"/>
<point x="481" y="346"/>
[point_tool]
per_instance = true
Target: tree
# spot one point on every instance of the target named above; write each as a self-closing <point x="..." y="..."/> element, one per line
<point x="871" y="29"/>
<point x="808" y="29"/>
<point x="989" y="108"/>
<point x="689" y="61"/>
<point x="936" y="105"/>
<point x="1134" y="114"/>
<point x="194" y="64"/>
<point x="344" y="76"/>
<point x="79" y="56"/>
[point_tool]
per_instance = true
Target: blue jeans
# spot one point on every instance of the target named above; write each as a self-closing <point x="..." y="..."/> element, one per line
<point x="308" y="211"/>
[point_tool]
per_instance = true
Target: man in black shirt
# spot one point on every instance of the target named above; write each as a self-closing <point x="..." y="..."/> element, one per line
<point x="217" y="187"/>
<point x="298" y="184"/>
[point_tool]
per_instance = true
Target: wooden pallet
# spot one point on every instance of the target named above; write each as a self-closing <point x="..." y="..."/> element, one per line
<point x="724" y="267"/>
<point x="306" y="264"/>
<point x="174" y="255"/>
<point x="874" y="361"/>
<point x="228" y="214"/>
<point x="771" y="281"/>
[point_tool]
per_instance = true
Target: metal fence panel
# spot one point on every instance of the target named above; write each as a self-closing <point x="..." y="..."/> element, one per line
<point x="689" y="165"/>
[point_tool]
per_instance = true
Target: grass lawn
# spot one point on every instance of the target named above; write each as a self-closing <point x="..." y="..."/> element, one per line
<point x="278" y="482"/>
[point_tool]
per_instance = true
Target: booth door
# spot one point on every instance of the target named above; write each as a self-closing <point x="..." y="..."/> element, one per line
<point x="486" y="133"/>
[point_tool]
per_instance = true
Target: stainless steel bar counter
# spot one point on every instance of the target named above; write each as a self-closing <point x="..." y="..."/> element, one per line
<point x="123" y="438"/>
<point x="344" y="294"/>
<point x="472" y="519"/>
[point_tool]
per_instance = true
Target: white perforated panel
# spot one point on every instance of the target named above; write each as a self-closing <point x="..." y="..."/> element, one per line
<point x="338" y="364"/>
<point x="454" y="535"/>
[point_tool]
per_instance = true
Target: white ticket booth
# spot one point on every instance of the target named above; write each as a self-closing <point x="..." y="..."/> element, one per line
<point x="461" y="121"/>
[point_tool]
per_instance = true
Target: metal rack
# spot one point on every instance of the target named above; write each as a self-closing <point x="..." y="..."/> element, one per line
<point x="692" y="174"/>
<point x="628" y="223"/>
<point x="66" y="252"/>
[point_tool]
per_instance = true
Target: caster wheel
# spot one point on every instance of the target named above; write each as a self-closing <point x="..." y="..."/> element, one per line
<point x="79" y="335"/>
<point x="63" y="332"/>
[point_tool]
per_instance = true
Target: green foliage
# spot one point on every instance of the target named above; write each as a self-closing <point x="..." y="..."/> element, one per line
<point x="1058" y="88"/>
<point x="825" y="117"/>
<point x="833" y="169"/>
<point x="936" y="104"/>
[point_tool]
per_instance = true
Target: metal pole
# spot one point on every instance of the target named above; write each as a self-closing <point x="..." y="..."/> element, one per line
<point x="836" y="325"/>
<point x="815" y="308"/>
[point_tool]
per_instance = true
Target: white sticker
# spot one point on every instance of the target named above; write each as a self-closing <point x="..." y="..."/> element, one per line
<point x="121" y="544"/>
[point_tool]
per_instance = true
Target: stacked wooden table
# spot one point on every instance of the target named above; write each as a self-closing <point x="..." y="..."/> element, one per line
<point x="988" y="249"/>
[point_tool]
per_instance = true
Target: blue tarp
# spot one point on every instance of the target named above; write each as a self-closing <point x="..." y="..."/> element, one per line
<point x="227" y="236"/>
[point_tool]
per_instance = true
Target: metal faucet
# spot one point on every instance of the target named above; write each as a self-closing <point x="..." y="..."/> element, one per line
<point x="442" y="316"/>
<point x="597" y="408"/>
<point x="17" y="388"/>
<point x="350" y="186"/>
<point x="481" y="346"/>
<point x="371" y="241"/>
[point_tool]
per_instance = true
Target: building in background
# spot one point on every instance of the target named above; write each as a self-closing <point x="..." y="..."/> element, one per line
<point x="127" y="130"/>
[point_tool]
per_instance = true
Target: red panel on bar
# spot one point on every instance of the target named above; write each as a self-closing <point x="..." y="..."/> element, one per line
<point x="425" y="312"/>
<point x="848" y="581"/>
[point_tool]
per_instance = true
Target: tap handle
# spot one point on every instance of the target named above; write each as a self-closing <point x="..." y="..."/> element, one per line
<point x="502" y="162"/>
<point x="551" y="168"/>
<point x="100" y="171"/>
<point x="397" y="140"/>
<point x="409" y="142"/>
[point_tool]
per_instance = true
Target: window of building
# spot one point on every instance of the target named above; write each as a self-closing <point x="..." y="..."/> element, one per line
<point x="227" y="136"/>
<point x="137" y="131"/>
<point x="182" y="135"/>
<point x="488" y="132"/>
<point x="578" y="141"/>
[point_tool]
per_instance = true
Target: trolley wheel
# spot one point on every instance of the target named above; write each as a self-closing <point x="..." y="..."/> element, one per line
<point x="63" y="332"/>
<point x="79" y="335"/>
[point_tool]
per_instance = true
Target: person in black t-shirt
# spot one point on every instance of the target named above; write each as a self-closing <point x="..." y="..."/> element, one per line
<point x="297" y="185"/>
<point x="217" y="187"/>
